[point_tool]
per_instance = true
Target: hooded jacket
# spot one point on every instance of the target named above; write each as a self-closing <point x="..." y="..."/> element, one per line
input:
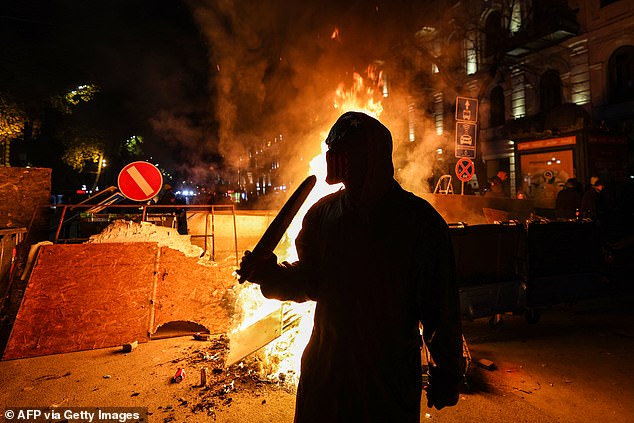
<point x="377" y="264"/>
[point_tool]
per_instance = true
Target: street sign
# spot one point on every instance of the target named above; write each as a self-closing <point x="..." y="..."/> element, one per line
<point x="465" y="169"/>
<point x="140" y="181"/>
<point x="467" y="109"/>
<point x="466" y="139"/>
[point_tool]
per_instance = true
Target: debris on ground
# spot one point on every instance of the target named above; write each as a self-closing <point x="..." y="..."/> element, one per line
<point x="218" y="383"/>
<point x="126" y="348"/>
<point x="486" y="364"/>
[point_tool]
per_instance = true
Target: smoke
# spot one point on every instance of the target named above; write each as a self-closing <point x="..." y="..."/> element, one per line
<point x="276" y="66"/>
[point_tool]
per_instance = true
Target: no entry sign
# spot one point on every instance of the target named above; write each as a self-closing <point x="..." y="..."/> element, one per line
<point x="140" y="181"/>
<point x="465" y="169"/>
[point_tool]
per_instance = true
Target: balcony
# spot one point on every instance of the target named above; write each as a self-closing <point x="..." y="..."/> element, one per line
<point x="551" y="24"/>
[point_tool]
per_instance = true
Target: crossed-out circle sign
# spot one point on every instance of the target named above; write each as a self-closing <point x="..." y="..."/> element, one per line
<point x="140" y="181"/>
<point x="465" y="169"/>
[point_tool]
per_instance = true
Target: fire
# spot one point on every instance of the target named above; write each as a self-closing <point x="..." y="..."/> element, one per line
<point x="361" y="97"/>
<point x="284" y="354"/>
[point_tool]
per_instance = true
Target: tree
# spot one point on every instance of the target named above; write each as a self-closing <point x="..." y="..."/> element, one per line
<point x="12" y="124"/>
<point x="82" y="148"/>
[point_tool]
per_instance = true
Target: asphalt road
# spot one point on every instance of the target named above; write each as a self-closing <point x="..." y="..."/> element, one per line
<point x="575" y="365"/>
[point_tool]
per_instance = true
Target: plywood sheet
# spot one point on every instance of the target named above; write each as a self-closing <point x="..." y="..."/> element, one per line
<point x="189" y="291"/>
<point x="84" y="297"/>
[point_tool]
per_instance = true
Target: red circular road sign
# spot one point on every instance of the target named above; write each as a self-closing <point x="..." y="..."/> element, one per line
<point x="465" y="169"/>
<point x="140" y="181"/>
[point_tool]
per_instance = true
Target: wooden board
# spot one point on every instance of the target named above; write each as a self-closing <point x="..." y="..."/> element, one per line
<point x="189" y="291"/>
<point x="83" y="297"/>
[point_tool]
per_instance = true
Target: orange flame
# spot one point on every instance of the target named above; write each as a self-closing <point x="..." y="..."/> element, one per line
<point x="361" y="97"/>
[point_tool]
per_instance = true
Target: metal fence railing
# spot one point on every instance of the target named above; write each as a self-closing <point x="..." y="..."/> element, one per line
<point x="77" y="222"/>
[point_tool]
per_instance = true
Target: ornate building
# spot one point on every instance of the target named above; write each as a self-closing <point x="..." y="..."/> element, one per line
<point x="555" y="82"/>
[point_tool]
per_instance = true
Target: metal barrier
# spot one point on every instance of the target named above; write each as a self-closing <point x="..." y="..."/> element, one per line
<point x="564" y="262"/>
<point x="511" y="267"/>
<point x="490" y="262"/>
<point x="75" y="216"/>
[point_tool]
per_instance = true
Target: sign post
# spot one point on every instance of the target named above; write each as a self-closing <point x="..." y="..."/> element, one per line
<point x="140" y="181"/>
<point x="466" y="134"/>
<point x="464" y="170"/>
<point x="466" y="139"/>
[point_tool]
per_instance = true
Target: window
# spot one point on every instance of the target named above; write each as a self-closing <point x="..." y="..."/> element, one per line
<point x="497" y="111"/>
<point x="494" y="34"/>
<point x="516" y="16"/>
<point x="471" y="54"/>
<point x="439" y="112"/>
<point x="621" y="75"/>
<point x="549" y="91"/>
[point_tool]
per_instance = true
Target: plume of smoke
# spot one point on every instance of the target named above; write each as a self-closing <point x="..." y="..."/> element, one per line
<point x="276" y="68"/>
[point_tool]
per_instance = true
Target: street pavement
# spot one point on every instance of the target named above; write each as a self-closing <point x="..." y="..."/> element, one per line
<point x="574" y="365"/>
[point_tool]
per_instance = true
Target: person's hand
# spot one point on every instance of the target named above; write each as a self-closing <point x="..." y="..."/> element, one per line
<point x="257" y="267"/>
<point x="442" y="390"/>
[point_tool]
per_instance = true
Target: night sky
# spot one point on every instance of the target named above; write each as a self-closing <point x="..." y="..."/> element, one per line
<point x="200" y="80"/>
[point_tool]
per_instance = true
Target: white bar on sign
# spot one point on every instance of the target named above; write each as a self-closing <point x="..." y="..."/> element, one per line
<point x="140" y="180"/>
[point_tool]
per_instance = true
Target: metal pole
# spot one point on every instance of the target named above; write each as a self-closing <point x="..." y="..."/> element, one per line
<point x="235" y="233"/>
<point x="59" y="226"/>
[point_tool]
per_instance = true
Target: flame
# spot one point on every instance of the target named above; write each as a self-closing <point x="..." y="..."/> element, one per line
<point x="284" y="354"/>
<point x="335" y="34"/>
<point x="361" y="97"/>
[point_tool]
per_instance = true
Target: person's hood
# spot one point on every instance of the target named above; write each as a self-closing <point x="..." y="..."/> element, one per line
<point x="357" y="127"/>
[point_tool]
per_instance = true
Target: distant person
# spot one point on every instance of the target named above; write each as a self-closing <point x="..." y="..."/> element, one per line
<point x="568" y="202"/>
<point x="169" y="198"/>
<point x="495" y="187"/>
<point x="591" y="200"/>
<point x="378" y="261"/>
<point x="505" y="184"/>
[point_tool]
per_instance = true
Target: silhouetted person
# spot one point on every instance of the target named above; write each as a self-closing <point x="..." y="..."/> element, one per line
<point x="568" y="201"/>
<point x="495" y="187"/>
<point x="378" y="261"/>
<point x="168" y="197"/>
<point x="505" y="185"/>
<point x="591" y="200"/>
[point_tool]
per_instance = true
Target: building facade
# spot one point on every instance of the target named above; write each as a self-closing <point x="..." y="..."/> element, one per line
<point x="558" y="94"/>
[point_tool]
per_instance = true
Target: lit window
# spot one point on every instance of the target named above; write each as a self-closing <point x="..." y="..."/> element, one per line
<point x="516" y="17"/>
<point x="412" y="124"/>
<point x="439" y="113"/>
<point x="471" y="55"/>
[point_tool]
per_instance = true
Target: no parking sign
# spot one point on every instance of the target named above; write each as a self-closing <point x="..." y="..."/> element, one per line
<point x="465" y="169"/>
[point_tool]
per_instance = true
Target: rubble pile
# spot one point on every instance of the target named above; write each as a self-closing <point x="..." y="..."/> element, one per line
<point x="250" y="375"/>
<point x="128" y="231"/>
